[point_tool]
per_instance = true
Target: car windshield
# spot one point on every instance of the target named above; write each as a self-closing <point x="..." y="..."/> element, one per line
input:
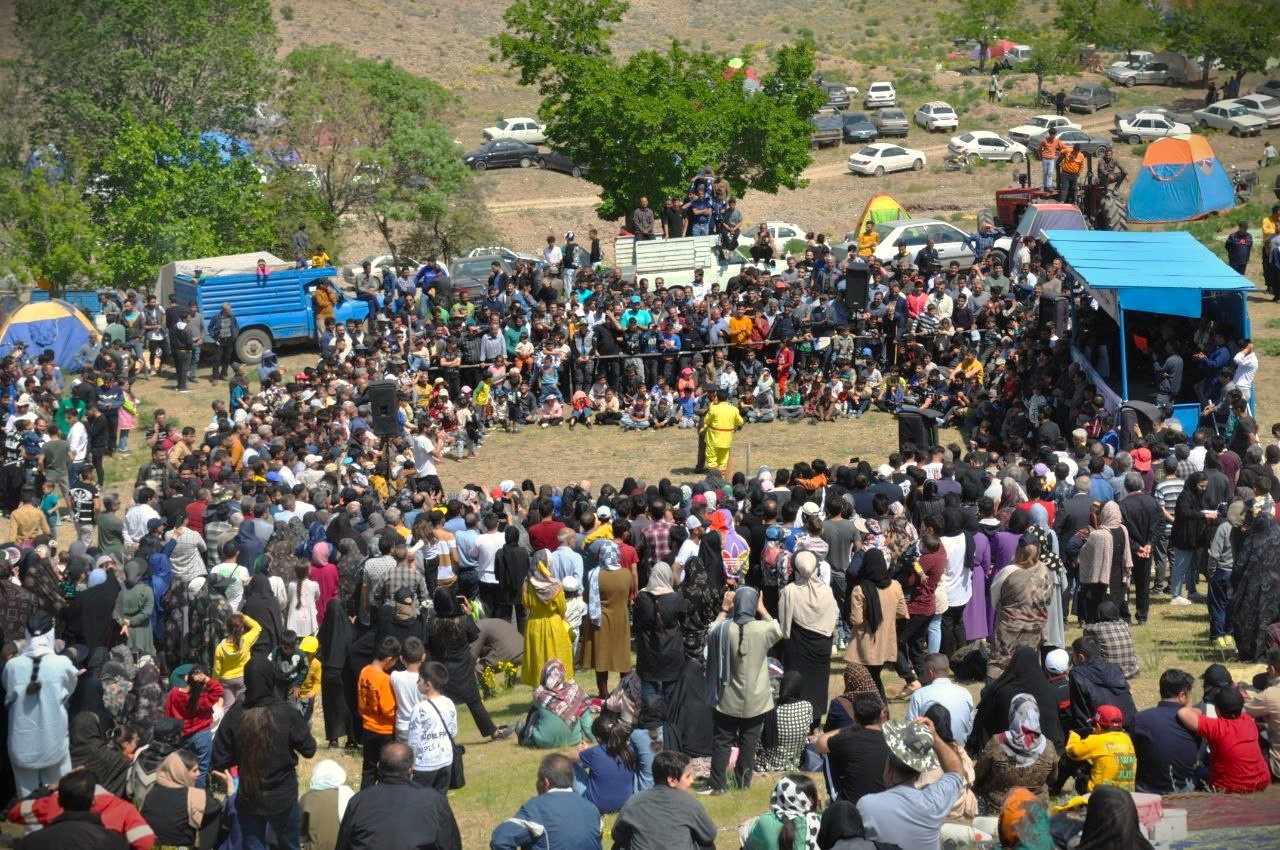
<point x="870" y="152"/>
<point x="893" y="114"/>
<point x="967" y="137"/>
<point x="472" y="268"/>
<point x="943" y="110"/>
<point x="1236" y="111"/>
<point x="855" y="118"/>
<point x="1082" y="91"/>
<point x="1266" y="103"/>
<point x="1042" y="122"/>
<point x="503" y="124"/>
<point x="883" y="230"/>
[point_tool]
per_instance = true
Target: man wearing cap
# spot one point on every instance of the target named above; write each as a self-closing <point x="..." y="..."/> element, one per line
<point x="903" y="814"/>
<point x="719" y="423"/>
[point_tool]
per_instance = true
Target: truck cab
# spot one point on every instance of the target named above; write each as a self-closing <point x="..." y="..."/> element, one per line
<point x="272" y="311"/>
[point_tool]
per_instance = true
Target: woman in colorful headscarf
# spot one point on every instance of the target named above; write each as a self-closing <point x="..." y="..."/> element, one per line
<point x="606" y="646"/>
<point x="324" y="573"/>
<point x="808" y="613"/>
<point x="1024" y="822"/>
<point x="546" y="636"/>
<point x="792" y="822"/>
<point x="1018" y="759"/>
<point x="559" y="716"/>
<point x="735" y="549"/>
<point x="857" y="681"/>
<point x="1055" y="626"/>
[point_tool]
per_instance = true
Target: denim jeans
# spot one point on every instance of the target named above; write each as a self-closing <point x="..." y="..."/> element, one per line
<point x="935" y="633"/>
<point x="202" y="743"/>
<point x="1183" y="561"/>
<point x="285" y="825"/>
<point x="122" y="445"/>
<point x="1219" y="593"/>
<point x="700" y="230"/>
<point x="1046" y="173"/>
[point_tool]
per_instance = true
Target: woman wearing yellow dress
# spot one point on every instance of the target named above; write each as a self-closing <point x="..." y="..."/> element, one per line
<point x="546" y="635"/>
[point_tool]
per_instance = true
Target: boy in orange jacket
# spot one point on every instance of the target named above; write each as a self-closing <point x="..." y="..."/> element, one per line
<point x="377" y="704"/>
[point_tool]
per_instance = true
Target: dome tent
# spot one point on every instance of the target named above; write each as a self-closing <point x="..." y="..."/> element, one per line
<point x="54" y="325"/>
<point x="1181" y="179"/>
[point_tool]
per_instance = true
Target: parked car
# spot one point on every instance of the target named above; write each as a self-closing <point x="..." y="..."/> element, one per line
<point x="377" y="263"/>
<point x="1087" y="142"/>
<point x="937" y="115"/>
<point x="914" y="232"/>
<point x="1090" y="97"/>
<point x="1264" y="106"/>
<point x="880" y="158"/>
<point x="891" y="122"/>
<point x="828" y="129"/>
<point x="837" y="95"/>
<point x="552" y="161"/>
<point x="1147" y="126"/>
<point x="881" y="94"/>
<point x="1149" y="73"/>
<point x="1015" y="55"/>
<point x="1133" y="56"/>
<point x="858" y="128"/>
<point x="1231" y="116"/>
<point x="472" y="274"/>
<point x="781" y="232"/>
<point x="1270" y="88"/>
<point x="1168" y="114"/>
<point x="984" y="144"/>
<point x="526" y="130"/>
<point x="510" y="255"/>
<point x="501" y="153"/>
<point x="1040" y="124"/>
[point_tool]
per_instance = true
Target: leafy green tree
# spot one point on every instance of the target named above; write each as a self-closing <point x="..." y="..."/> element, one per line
<point x="163" y="194"/>
<point x="1050" y="57"/>
<point x="1242" y="35"/>
<point x="373" y="132"/>
<point x="462" y="224"/>
<point x="545" y="39"/>
<point x="198" y="63"/>
<point x="645" y="125"/>
<point x="17" y="103"/>
<point x="984" y="21"/>
<point x="45" y="230"/>
<point x="1120" y="24"/>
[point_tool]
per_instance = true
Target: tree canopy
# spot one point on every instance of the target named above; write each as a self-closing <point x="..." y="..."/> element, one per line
<point x="645" y="124"/>
<point x="1241" y="34"/>
<point x="1121" y="24"/>
<point x="983" y="21"/>
<point x="99" y="63"/>
<point x="373" y="131"/>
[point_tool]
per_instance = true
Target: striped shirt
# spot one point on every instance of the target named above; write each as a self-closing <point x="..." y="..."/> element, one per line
<point x="1167" y="492"/>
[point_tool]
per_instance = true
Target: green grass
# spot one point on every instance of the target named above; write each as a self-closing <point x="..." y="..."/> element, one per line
<point x="286" y="12"/>
<point x="1273" y="324"/>
<point x="1269" y="347"/>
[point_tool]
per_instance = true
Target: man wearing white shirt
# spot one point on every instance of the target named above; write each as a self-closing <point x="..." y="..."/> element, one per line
<point x="137" y="517"/>
<point x="78" y="440"/>
<point x="941" y="690"/>
<point x="487" y="546"/>
<point x="1246" y="368"/>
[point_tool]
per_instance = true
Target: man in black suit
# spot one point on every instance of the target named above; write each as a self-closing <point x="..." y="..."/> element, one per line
<point x="1073" y="514"/>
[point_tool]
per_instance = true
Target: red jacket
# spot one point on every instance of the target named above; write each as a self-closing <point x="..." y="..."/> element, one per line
<point x="200" y="718"/>
<point x="118" y="815"/>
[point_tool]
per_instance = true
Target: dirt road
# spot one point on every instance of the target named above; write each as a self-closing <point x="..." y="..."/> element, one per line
<point x="826" y="171"/>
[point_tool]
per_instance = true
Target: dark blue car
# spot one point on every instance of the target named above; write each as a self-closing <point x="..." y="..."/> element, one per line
<point x="858" y="128"/>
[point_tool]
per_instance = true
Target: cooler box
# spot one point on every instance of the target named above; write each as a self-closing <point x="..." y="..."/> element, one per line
<point x="1150" y="810"/>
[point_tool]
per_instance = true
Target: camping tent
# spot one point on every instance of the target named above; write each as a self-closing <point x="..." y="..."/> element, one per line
<point x="1181" y="180"/>
<point x="54" y="325"/>
<point x="879" y="209"/>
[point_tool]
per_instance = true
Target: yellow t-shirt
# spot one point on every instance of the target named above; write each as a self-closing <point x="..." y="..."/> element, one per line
<point x="720" y="421"/>
<point x="228" y="662"/>
<point x="311" y="685"/>
<point x="867" y="243"/>
<point x="1110" y="756"/>
<point x="1269" y="227"/>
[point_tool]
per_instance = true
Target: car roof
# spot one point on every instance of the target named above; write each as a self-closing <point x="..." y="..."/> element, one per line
<point x="882" y="83"/>
<point x="905" y="222"/>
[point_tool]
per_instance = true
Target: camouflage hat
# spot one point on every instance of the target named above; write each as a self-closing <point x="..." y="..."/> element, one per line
<point x="911" y="744"/>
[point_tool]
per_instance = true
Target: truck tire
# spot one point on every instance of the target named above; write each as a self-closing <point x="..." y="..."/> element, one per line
<point x="1000" y="257"/>
<point x="250" y="345"/>
<point x="1111" y="213"/>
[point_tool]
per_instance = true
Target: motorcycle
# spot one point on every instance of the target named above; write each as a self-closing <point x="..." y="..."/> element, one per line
<point x="1244" y="181"/>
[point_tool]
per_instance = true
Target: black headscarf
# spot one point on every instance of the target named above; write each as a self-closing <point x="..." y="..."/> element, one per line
<point x="1022" y="676"/>
<point x="261" y="604"/>
<point x="89" y="750"/>
<point x="511" y="566"/>
<point x="335" y="636"/>
<point x="166" y="738"/>
<point x="259" y="682"/>
<point x="840" y="821"/>
<point x="711" y="555"/>
<point x="873" y="578"/>
<point x="1112" y="822"/>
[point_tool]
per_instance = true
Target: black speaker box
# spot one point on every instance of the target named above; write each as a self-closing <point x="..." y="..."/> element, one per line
<point x="383" y="408"/>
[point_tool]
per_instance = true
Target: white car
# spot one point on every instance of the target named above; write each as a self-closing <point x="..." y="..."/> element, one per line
<point x="1147" y="126"/>
<point x="882" y="157"/>
<point x="781" y="232"/>
<point x="914" y="233"/>
<point x="526" y="130"/>
<point x="1038" y="125"/>
<point x="1231" y="116"/>
<point x="1266" y="108"/>
<point x="937" y="115"/>
<point x="1270" y="87"/>
<point x="881" y="94"/>
<point x="984" y="144"/>
<point x="377" y="263"/>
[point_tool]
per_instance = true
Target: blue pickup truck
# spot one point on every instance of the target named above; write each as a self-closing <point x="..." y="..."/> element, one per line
<point x="270" y="313"/>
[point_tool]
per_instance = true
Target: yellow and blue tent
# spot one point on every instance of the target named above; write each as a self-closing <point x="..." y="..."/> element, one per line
<point x="52" y="325"/>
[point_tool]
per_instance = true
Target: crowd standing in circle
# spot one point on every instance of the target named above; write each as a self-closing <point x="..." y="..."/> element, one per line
<point x="284" y="554"/>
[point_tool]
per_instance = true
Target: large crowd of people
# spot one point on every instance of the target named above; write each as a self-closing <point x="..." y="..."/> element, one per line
<point x="168" y="647"/>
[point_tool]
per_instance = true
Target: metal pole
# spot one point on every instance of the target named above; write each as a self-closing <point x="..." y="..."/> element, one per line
<point x="1124" y="356"/>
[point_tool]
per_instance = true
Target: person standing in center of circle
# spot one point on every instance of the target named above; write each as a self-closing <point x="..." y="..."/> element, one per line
<point x="718" y="425"/>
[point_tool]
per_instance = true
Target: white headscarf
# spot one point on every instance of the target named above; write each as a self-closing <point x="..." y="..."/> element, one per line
<point x="327" y="775"/>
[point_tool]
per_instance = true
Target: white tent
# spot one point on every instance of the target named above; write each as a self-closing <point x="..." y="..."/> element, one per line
<point x="212" y="266"/>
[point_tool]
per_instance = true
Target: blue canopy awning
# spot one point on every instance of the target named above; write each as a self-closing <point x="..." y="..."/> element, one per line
<point x="1166" y="272"/>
